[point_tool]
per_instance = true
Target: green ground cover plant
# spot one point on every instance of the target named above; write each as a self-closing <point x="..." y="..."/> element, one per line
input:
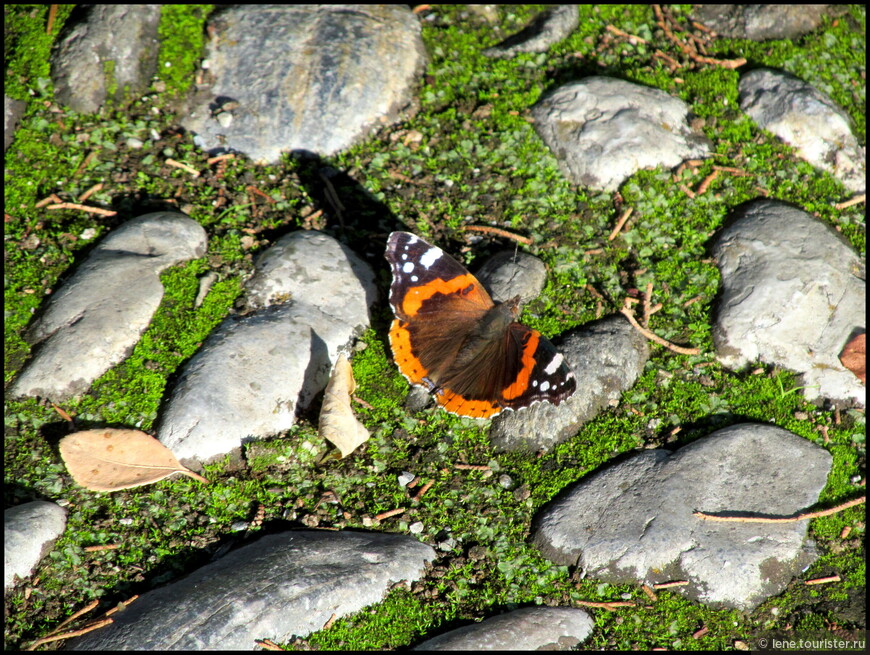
<point x="470" y="156"/>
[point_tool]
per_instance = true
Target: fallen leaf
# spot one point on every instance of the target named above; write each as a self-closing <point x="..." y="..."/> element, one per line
<point x="109" y="459"/>
<point x="854" y="357"/>
<point x="337" y="422"/>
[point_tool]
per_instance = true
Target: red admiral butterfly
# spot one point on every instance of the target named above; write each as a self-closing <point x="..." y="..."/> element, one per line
<point x="451" y="338"/>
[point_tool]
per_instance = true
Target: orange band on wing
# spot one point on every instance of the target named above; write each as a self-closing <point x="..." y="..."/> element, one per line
<point x="456" y="404"/>
<point x="400" y="341"/>
<point x="521" y="384"/>
<point x="466" y="285"/>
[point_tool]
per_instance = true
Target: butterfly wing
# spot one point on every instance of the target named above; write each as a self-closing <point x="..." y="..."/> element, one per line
<point x="435" y="299"/>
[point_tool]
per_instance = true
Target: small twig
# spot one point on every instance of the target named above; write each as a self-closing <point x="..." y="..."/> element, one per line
<point x="362" y="402"/>
<point x="856" y="200"/>
<point x="426" y="487"/>
<point x="724" y="63"/>
<point x="781" y="519"/>
<point x="730" y="169"/>
<point x="649" y="592"/>
<point x="687" y="191"/>
<point x="47" y="201"/>
<point x="66" y="417"/>
<point x="86" y="161"/>
<point x="87" y="608"/>
<point x="96" y="549"/>
<point x="69" y="635"/>
<point x="84" y="208"/>
<point x="668" y="585"/>
<point x="692" y="301"/>
<point x="472" y="467"/>
<point x="845" y="532"/>
<point x="214" y="160"/>
<point x="52" y="15"/>
<point x="706" y="182"/>
<point x="647" y="296"/>
<point x="419" y="9"/>
<point x="830" y="578"/>
<point x="486" y="229"/>
<point x="329" y="622"/>
<point x="122" y="605"/>
<point x="654" y="337"/>
<point x="184" y="167"/>
<point x="610" y="607"/>
<point x="673" y="63"/>
<point x="87" y="194"/>
<point x="392" y="512"/>
<point x="256" y="191"/>
<point x="267" y="644"/>
<point x="824" y="430"/>
<point x="621" y="223"/>
<point x="700" y="633"/>
<point x="689" y="50"/>
<point x="619" y="32"/>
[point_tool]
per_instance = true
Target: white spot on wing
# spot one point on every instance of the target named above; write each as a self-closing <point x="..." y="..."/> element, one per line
<point x="408" y="267"/>
<point x="430" y="257"/>
<point x="554" y="364"/>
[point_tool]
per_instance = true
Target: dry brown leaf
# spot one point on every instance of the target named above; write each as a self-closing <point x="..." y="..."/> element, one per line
<point x="109" y="459"/>
<point x="337" y="422"/>
<point x="854" y="357"/>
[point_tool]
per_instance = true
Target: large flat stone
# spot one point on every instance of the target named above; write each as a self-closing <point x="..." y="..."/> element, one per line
<point x="633" y="521"/>
<point x="95" y="318"/>
<point x="313" y="78"/>
<point x="274" y="588"/>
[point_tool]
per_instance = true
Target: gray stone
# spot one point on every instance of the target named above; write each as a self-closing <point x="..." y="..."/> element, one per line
<point x="792" y="295"/>
<point x="508" y="274"/>
<point x="633" y="521"/>
<point x="760" y="22"/>
<point x="807" y="119"/>
<point x="548" y="28"/>
<point x="279" y="586"/>
<point x="29" y="532"/>
<point x="602" y="130"/>
<point x="312" y="267"/>
<point x="254" y="373"/>
<point x="96" y="317"/>
<point x="606" y="356"/>
<point x="530" y="628"/>
<point x="114" y="48"/>
<point x="13" y="110"/>
<point x="314" y="78"/>
<point x="249" y="378"/>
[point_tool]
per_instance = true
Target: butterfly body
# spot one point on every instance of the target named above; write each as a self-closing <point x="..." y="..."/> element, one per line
<point x="452" y="339"/>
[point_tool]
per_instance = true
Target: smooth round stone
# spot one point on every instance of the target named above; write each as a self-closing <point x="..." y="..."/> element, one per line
<point x="29" y="531"/>
<point x="305" y="78"/>
<point x="602" y="130"/>
<point x="807" y="119"/>
<point x="793" y="295"/>
<point x="113" y="47"/>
